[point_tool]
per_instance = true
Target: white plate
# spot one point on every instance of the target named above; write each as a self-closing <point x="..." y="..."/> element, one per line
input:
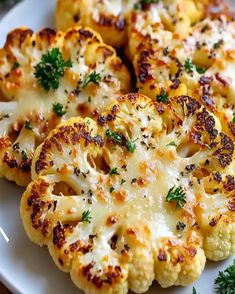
<point x="24" y="267"/>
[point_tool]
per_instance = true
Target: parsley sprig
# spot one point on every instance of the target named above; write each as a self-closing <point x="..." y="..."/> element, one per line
<point x="190" y="67"/>
<point x="24" y="155"/>
<point x="58" y="109"/>
<point x="200" y="70"/>
<point x="86" y="216"/>
<point x="111" y="189"/>
<point x="92" y="78"/>
<point x="114" y="171"/>
<point x="178" y="195"/>
<point x="15" y="66"/>
<point x="115" y="136"/>
<point x="51" y="68"/>
<point x="171" y="144"/>
<point x="131" y="146"/>
<point x="163" y="96"/>
<point x="28" y="125"/>
<point x="225" y="282"/>
<point x="180" y="226"/>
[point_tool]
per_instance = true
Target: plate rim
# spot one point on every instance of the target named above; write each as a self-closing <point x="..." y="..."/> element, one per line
<point x="6" y="282"/>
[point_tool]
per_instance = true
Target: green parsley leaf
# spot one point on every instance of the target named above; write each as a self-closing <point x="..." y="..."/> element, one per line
<point x="225" y="282"/>
<point x="58" y="109"/>
<point x="115" y="136"/>
<point x="180" y="226"/>
<point x="136" y="6"/>
<point x="233" y="120"/>
<point x="86" y="216"/>
<point x="145" y="2"/>
<point x="122" y="182"/>
<point x="114" y="171"/>
<point x="188" y="65"/>
<point x="28" y="125"/>
<point x="92" y="78"/>
<point x="15" y="65"/>
<point x="200" y="70"/>
<point x="111" y="189"/>
<point x="24" y="155"/>
<point x="178" y="195"/>
<point x="171" y="144"/>
<point x="131" y="146"/>
<point x="194" y="290"/>
<point x="51" y="68"/>
<point x="163" y="96"/>
<point x="89" y="99"/>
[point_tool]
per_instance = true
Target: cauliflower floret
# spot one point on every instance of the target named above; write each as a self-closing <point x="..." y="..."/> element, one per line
<point x="29" y="111"/>
<point x="111" y="18"/>
<point x="131" y="197"/>
<point x="200" y="65"/>
<point x="180" y="266"/>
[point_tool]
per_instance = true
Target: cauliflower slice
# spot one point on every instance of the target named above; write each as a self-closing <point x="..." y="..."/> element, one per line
<point x="200" y="65"/>
<point x="100" y="198"/>
<point x="110" y="17"/>
<point x="28" y="112"/>
<point x="175" y="16"/>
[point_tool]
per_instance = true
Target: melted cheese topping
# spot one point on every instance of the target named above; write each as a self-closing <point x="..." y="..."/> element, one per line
<point x="110" y="17"/>
<point x="200" y="65"/>
<point x="128" y="211"/>
<point x="27" y="101"/>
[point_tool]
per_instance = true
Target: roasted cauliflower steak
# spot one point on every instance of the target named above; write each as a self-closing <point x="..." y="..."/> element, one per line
<point x="110" y="17"/>
<point x="28" y="112"/>
<point x="200" y="65"/>
<point x="146" y="192"/>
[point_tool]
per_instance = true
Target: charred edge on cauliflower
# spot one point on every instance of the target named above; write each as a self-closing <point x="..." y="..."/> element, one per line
<point x="229" y="184"/>
<point x="111" y="275"/>
<point x="231" y="126"/>
<point x="231" y="204"/>
<point x="78" y="247"/>
<point x="144" y="67"/>
<point x="38" y="206"/>
<point x="109" y="21"/>
<point x="225" y="151"/>
<point x="59" y="235"/>
<point x="17" y="37"/>
<point x="65" y="135"/>
<point x="23" y="165"/>
<point x="183" y="254"/>
<point x="59" y="240"/>
<point x="206" y="122"/>
<point x="191" y="104"/>
<point x="48" y="34"/>
<point x="111" y="116"/>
